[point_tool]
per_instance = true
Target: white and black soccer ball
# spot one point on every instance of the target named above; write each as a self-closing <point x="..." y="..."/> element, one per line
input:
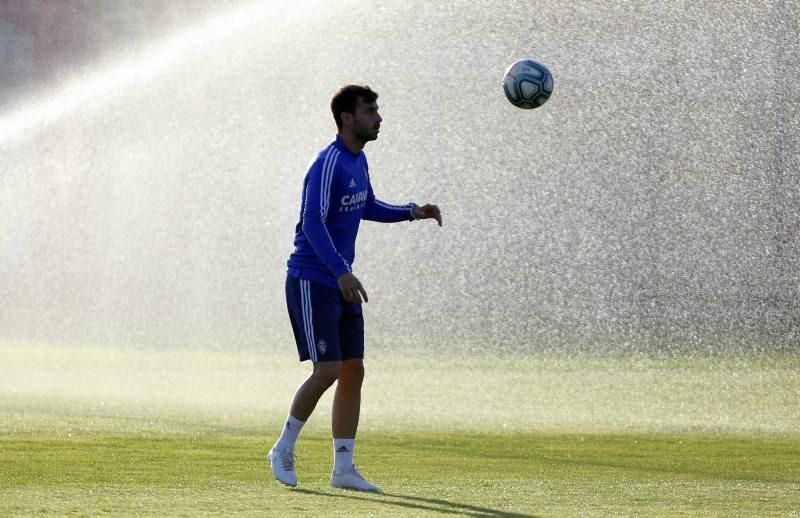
<point x="528" y="83"/>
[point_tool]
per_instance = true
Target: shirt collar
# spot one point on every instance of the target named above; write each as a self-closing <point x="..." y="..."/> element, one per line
<point x="340" y="144"/>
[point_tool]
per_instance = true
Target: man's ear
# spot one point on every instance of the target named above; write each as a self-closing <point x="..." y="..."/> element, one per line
<point x="347" y="118"/>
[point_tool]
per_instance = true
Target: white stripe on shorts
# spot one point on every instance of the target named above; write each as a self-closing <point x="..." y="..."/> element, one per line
<point x="305" y="296"/>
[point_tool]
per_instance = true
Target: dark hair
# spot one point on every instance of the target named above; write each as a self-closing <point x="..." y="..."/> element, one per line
<point x="346" y="99"/>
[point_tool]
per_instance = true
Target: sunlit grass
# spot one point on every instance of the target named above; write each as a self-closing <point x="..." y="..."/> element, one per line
<point x="91" y="430"/>
<point x="421" y="473"/>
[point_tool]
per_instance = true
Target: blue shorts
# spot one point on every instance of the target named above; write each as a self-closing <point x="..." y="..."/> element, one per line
<point x="326" y="327"/>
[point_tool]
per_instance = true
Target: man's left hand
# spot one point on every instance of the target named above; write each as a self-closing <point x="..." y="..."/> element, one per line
<point x="427" y="211"/>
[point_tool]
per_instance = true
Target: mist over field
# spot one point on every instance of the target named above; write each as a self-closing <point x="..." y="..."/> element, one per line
<point x="91" y="390"/>
<point x="151" y="176"/>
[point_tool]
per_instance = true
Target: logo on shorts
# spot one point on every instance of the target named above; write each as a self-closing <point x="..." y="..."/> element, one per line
<point x="322" y="345"/>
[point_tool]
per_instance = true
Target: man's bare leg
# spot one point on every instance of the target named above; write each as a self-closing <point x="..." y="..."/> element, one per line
<point x="305" y="400"/>
<point x="346" y="409"/>
<point x="308" y="394"/>
<point x="347" y="399"/>
<point x="281" y="456"/>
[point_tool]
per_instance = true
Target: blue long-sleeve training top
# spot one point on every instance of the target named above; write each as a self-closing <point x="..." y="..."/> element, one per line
<point x="337" y="195"/>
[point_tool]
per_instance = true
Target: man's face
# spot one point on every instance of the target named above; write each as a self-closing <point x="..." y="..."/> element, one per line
<point x="367" y="121"/>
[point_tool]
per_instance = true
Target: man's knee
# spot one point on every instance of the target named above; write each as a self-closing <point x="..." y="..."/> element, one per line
<point x="352" y="371"/>
<point x="326" y="373"/>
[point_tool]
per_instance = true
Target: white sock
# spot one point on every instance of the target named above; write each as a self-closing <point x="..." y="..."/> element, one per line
<point x="289" y="434"/>
<point x="343" y="454"/>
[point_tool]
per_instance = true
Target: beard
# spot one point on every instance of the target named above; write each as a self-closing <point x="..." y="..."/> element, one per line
<point x="365" y="133"/>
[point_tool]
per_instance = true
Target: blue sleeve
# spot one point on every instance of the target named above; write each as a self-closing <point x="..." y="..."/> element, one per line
<point x="377" y="210"/>
<point x="316" y="202"/>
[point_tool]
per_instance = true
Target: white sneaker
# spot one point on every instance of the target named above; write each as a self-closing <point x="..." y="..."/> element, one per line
<point x="282" y="464"/>
<point x="352" y="480"/>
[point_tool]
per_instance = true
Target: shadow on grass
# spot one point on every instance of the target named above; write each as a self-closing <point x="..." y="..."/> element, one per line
<point x="415" y="502"/>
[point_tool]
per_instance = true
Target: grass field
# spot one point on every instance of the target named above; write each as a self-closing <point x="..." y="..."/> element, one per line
<point x="421" y="473"/>
<point x="92" y="431"/>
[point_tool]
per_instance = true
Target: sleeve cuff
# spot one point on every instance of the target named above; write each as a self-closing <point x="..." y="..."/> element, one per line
<point x="411" y="212"/>
<point x="341" y="270"/>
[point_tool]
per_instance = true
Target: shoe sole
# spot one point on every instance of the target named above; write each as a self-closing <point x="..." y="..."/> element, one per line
<point x="287" y="484"/>
<point x="358" y="489"/>
<point x="377" y="490"/>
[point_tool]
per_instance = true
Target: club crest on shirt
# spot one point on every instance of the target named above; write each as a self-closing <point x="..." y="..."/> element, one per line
<point x="322" y="346"/>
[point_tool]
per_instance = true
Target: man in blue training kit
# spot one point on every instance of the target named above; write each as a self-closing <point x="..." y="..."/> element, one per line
<point x="322" y="293"/>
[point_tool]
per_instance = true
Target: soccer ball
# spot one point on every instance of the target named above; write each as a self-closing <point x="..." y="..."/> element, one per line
<point x="528" y="83"/>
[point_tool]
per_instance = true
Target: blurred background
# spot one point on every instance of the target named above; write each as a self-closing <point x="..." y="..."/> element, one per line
<point x="153" y="153"/>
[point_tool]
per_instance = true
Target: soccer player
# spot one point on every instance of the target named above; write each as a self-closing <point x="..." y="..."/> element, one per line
<point x="323" y="295"/>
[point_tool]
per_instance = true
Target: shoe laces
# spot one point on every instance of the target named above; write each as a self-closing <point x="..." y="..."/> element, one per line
<point x="361" y="478"/>
<point x="287" y="460"/>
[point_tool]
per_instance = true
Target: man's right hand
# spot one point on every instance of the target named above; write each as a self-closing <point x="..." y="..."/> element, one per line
<point x="351" y="287"/>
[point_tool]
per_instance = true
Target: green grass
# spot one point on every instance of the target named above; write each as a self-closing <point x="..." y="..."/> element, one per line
<point x="89" y="431"/>
<point x="421" y="473"/>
